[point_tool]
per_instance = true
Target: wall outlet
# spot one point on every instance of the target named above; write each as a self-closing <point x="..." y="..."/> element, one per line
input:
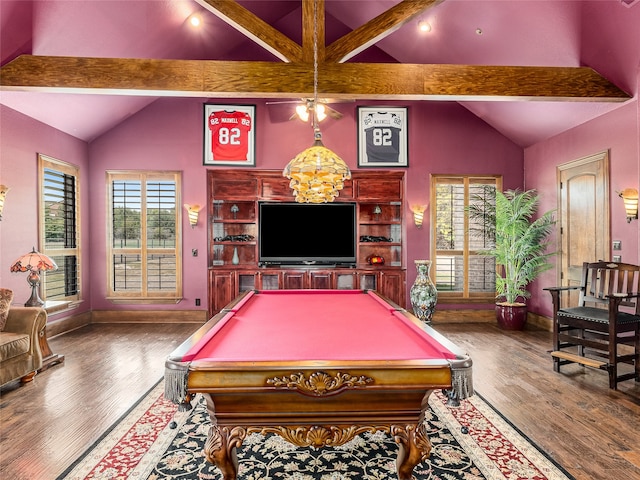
<point x="617" y="258"/>
<point x="194" y="252"/>
<point x="617" y="245"/>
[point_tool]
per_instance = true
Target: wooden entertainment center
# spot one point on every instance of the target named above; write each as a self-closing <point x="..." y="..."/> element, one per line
<point x="233" y="245"/>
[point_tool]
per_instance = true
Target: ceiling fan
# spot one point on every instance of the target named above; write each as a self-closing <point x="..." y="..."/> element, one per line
<point x="306" y="106"/>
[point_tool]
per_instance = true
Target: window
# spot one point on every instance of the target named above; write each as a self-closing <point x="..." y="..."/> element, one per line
<point x="145" y="256"/>
<point x="462" y="274"/>
<point x="59" y="229"/>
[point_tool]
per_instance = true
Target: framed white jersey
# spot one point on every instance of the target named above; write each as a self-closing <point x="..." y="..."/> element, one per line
<point x="229" y="135"/>
<point x="382" y="137"/>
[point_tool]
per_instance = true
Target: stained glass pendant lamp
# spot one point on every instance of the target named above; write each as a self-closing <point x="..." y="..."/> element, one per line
<point x="317" y="174"/>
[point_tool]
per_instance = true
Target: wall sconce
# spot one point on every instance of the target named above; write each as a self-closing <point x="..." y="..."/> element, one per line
<point x="193" y="212"/>
<point x="3" y="193"/>
<point x="34" y="262"/>
<point x="630" y="198"/>
<point x="418" y="214"/>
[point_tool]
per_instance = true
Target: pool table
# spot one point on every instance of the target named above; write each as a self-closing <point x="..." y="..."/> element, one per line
<point x="317" y="367"/>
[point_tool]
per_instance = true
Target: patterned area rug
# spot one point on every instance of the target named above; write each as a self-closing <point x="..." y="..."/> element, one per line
<point x="144" y="446"/>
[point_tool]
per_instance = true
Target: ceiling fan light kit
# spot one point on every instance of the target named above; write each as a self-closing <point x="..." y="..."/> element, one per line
<point x="308" y="109"/>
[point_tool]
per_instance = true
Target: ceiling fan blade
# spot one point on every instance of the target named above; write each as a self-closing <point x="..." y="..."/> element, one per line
<point x="333" y="113"/>
<point x="282" y="102"/>
<point x="335" y="100"/>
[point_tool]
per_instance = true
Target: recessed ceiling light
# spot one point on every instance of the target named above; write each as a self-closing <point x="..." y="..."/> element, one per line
<point x="195" y="20"/>
<point x="424" y="26"/>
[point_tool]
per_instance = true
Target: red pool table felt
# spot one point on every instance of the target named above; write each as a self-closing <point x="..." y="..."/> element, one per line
<point x="315" y="325"/>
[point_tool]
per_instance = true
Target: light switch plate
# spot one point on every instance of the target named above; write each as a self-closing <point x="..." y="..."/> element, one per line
<point x="617" y="245"/>
<point x="617" y="258"/>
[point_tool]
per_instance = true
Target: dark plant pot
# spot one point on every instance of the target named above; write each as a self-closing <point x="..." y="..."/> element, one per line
<point x="511" y="317"/>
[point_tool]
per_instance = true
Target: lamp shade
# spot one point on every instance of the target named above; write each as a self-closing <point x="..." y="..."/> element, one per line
<point x="418" y="215"/>
<point x="630" y="199"/>
<point x="33" y="261"/>
<point x="193" y="212"/>
<point x="317" y="174"/>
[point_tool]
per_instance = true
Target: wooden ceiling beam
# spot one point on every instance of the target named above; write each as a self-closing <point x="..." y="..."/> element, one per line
<point x="254" y="28"/>
<point x="313" y="19"/>
<point x="208" y="78"/>
<point x="376" y="29"/>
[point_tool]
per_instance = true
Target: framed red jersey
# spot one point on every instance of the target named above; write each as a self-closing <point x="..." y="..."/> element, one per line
<point x="229" y="135"/>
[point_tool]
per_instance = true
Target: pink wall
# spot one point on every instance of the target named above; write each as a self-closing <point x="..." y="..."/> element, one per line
<point x="444" y="138"/>
<point x="167" y="135"/>
<point x="21" y="139"/>
<point x="617" y="132"/>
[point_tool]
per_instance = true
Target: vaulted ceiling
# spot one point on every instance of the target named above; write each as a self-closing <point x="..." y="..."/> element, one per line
<point x="529" y="68"/>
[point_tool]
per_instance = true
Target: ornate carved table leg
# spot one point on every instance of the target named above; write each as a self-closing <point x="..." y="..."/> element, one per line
<point x="220" y="449"/>
<point x="414" y="447"/>
<point x="222" y="443"/>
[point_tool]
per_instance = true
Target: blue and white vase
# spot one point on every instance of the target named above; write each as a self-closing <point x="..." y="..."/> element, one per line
<point x="423" y="293"/>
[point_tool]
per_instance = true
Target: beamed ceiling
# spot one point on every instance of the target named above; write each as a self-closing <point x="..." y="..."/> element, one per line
<point x="343" y="70"/>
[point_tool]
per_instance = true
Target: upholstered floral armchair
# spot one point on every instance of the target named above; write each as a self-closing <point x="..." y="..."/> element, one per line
<point x="20" y="329"/>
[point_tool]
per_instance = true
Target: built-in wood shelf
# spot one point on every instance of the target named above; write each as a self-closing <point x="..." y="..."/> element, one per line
<point x="232" y="210"/>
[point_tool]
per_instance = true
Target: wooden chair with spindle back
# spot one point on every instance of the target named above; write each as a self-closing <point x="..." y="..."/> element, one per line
<point x="603" y="330"/>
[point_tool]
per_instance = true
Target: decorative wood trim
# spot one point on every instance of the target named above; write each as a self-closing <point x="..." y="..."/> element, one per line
<point x="149" y="316"/>
<point x="320" y="436"/>
<point x="64" y="325"/>
<point x="487" y="316"/>
<point x="319" y="384"/>
<point x="540" y="321"/>
<point x="464" y="316"/>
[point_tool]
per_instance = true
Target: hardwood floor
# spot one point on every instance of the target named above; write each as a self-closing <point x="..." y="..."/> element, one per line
<point x="591" y="431"/>
<point x="48" y="423"/>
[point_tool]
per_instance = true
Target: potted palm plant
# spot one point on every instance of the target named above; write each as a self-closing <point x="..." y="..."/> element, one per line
<point x="520" y="248"/>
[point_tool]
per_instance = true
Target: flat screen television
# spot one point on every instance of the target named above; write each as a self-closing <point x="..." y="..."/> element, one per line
<point x="307" y="234"/>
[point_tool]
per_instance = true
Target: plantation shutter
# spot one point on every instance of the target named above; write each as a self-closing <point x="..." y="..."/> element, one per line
<point x="460" y="271"/>
<point x="59" y="219"/>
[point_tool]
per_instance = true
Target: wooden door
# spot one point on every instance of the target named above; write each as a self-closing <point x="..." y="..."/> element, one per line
<point x="583" y="215"/>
